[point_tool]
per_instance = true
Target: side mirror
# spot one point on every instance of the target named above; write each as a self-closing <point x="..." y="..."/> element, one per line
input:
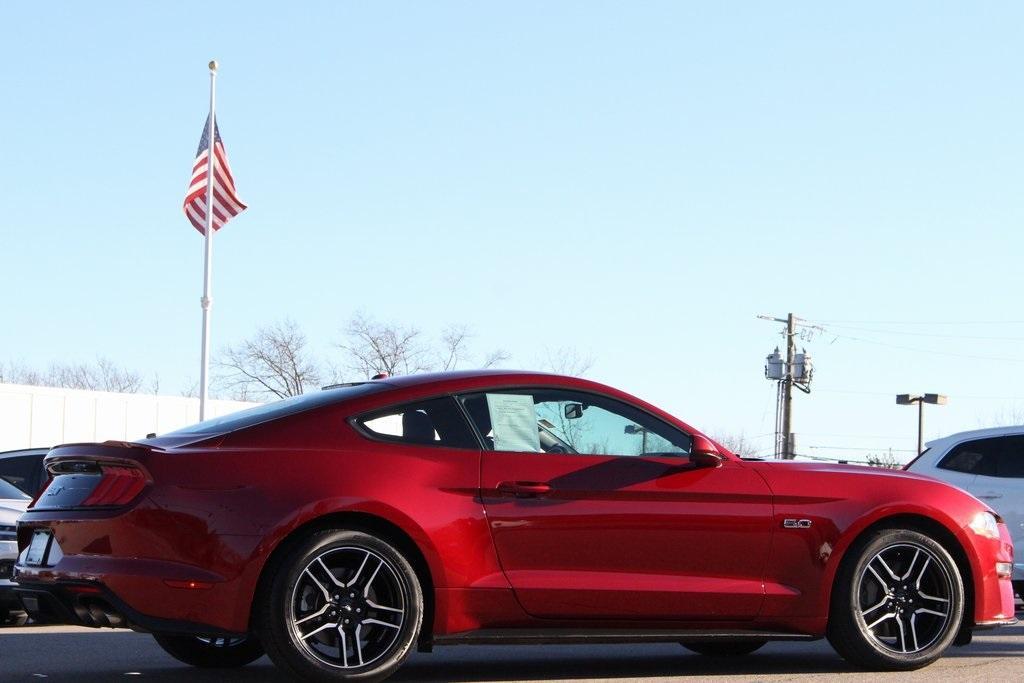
<point x="704" y="453"/>
<point x="573" y="411"/>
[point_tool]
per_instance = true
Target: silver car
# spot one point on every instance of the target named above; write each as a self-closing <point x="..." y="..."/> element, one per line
<point x="12" y="503"/>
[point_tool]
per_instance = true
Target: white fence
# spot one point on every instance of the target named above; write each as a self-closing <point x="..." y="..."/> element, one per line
<point x="40" y="417"/>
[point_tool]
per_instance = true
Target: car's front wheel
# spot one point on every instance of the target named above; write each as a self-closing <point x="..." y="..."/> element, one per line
<point x="897" y="603"/>
<point x="212" y="652"/>
<point x="343" y="606"/>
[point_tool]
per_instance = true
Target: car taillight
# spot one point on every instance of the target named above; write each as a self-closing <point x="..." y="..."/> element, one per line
<point x="119" y="486"/>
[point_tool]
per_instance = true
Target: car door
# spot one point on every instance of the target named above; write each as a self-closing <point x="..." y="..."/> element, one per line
<point x="1000" y="483"/>
<point x="962" y="463"/>
<point x="597" y="512"/>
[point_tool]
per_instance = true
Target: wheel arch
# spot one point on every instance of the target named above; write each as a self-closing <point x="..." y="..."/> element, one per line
<point x="360" y="521"/>
<point x="926" y="525"/>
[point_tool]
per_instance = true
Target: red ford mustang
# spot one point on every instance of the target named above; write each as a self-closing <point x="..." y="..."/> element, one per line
<point x="337" y="531"/>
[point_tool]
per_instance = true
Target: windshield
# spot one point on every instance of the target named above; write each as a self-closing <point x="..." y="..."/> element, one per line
<point x="278" y="409"/>
<point x="911" y="463"/>
<point x="10" y="491"/>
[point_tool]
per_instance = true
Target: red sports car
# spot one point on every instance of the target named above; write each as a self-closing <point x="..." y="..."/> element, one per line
<point x="339" y="530"/>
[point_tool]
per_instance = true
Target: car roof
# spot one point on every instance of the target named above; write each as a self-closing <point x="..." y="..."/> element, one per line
<point x="988" y="432"/>
<point x="23" y="451"/>
<point x="456" y="375"/>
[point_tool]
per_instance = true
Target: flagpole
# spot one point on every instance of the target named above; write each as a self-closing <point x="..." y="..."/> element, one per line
<point x="206" y="301"/>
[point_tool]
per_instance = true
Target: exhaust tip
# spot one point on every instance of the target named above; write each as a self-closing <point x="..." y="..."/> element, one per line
<point x="99" y="614"/>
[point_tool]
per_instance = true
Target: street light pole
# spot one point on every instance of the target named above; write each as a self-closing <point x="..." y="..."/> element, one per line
<point x="920" y="400"/>
<point x="920" y="427"/>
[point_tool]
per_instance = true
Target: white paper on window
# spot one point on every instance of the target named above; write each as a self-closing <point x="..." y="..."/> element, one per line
<point x="514" y="422"/>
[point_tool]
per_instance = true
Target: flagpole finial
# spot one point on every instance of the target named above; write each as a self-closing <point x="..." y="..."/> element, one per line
<point x="213" y="65"/>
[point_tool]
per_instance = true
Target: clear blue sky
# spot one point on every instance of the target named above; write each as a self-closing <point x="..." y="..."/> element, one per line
<point x="639" y="180"/>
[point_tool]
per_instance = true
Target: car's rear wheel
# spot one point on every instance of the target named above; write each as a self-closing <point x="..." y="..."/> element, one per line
<point x="342" y="606"/>
<point x="211" y="652"/>
<point x="731" y="648"/>
<point x="897" y="603"/>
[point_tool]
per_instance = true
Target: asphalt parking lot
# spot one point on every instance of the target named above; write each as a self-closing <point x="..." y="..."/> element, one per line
<point x="81" y="655"/>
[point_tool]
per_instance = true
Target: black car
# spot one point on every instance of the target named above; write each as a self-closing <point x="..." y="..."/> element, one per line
<point x="24" y="469"/>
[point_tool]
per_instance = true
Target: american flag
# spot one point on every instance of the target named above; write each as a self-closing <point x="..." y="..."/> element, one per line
<point x="226" y="204"/>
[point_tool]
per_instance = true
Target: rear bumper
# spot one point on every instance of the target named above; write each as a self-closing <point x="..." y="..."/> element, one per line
<point x="145" y="565"/>
<point x="85" y="604"/>
<point x="136" y="591"/>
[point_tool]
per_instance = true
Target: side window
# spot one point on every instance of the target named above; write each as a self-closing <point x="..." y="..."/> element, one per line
<point x="560" y="421"/>
<point x="1011" y="458"/>
<point x="436" y="422"/>
<point x="972" y="457"/>
<point x="22" y="471"/>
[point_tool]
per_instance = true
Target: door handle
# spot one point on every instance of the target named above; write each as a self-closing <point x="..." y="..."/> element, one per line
<point x="990" y="496"/>
<point x="524" y="489"/>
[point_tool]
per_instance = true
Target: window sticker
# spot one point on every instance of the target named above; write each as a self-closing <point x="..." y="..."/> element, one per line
<point x="514" y="422"/>
<point x="386" y="425"/>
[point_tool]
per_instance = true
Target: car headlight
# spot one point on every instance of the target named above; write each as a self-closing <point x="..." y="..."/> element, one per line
<point x="985" y="524"/>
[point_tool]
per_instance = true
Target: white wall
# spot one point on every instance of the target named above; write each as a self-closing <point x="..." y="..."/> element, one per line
<point x="40" y="417"/>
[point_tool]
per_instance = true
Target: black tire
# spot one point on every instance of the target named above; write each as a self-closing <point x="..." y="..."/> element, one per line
<point x="311" y="622"/>
<point x="914" y="594"/>
<point x="211" y="652"/>
<point x="12" y="617"/>
<point x="729" y="648"/>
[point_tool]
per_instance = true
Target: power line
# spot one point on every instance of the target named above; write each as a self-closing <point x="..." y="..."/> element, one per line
<point x="922" y="322"/>
<point x="925" y="334"/>
<point x="856" y="436"/>
<point x="862" y="448"/>
<point x="959" y="397"/>
<point x="998" y="359"/>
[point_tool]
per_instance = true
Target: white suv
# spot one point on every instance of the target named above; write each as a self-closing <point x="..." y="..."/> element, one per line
<point x="12" y="504"/>
<point x="989" y="464"/>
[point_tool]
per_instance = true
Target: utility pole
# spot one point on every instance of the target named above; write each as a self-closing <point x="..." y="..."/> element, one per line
<point x="788" y="450"/>
<point x="796" y="372"/>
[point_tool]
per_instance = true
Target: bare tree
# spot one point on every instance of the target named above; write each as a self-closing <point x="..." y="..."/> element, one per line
<point x="453" y="339"/>
<point x="375" y="348"/>
<point x="735" y="442"/>
<point x="372" y="348"/>
<point x="102" y="375"/>
<point x="1006" y="417"/>
<point x="272" y="363"/>
<point x="495" y="357"/>
<point x="16" y="373"/>
<point x="566" y="360"/>
<point x="886" y="461"/>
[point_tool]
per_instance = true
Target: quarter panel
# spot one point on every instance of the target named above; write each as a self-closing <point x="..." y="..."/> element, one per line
<point x="844" y="503"/>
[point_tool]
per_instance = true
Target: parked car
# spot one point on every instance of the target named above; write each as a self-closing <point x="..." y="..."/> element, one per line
<point x="339" y="530"/>
<point x="24" y="468"/>
<point x="12" y="504"/>
<point x="989" y="463"/>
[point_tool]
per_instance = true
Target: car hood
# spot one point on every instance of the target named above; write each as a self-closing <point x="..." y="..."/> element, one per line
<point x="832" y="468"/>
<point x="831" y="481"/>
<point x="11" y="509"/>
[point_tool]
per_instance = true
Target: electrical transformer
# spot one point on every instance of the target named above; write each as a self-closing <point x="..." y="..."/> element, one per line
<point x="802" y="368"/>
<point x="775" y="366"/>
